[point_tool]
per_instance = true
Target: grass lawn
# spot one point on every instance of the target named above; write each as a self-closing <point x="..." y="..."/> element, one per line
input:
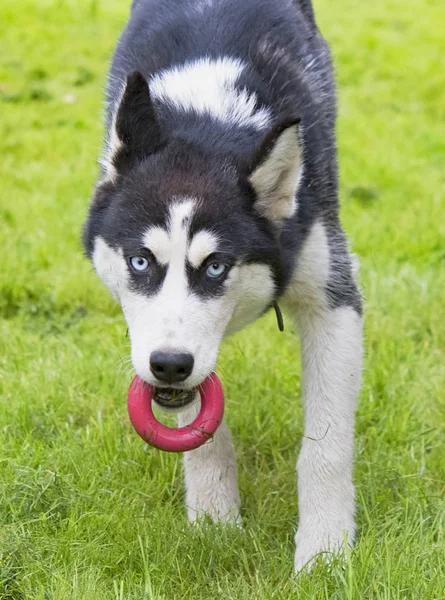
<point x="87" y="510"/>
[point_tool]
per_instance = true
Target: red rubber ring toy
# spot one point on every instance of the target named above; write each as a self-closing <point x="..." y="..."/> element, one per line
<point x="180" y="439"/>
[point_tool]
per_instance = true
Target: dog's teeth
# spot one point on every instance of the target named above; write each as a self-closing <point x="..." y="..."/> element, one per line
<point x="167" y="396"/>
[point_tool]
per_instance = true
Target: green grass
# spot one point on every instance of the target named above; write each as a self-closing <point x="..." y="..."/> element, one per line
<point x="87" y="510"/>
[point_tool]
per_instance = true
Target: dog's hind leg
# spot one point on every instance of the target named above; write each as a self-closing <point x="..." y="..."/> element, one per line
<point x="324" y="300"/>
<point x="211" y="476"/>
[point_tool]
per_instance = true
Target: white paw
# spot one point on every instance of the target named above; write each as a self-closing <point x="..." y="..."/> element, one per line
<point x="320" y="546"/>
<point x="211" y="480"/>
<point x="218" y="510"/>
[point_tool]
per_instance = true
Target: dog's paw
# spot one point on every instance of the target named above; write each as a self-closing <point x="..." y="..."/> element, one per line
<point x="227" y="514"/>
<point x="320" y="546"/>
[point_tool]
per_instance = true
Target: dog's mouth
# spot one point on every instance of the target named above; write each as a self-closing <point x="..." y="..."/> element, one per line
<point x="173" y="399"/>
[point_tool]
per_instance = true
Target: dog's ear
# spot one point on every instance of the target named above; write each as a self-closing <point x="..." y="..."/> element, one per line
<point x="135" y="132"/>
<point x="275" y="171"/>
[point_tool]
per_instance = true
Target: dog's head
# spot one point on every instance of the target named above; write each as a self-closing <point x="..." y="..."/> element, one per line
<point x="187" y="241"/>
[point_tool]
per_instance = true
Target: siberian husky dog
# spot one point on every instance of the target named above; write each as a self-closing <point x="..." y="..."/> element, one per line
<point x="218" y="198"/>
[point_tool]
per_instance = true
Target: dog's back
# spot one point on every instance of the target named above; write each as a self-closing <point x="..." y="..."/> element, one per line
<point x="288" y="61"/>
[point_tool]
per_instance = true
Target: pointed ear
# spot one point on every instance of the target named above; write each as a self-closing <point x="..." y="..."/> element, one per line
<point x="275" y="171"/>
<point x="134" y="130"/>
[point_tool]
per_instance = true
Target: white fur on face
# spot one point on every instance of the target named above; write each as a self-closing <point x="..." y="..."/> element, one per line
<point x="111" y="267"/>
<point x="202" y="245"/>
<point x="158" y="241"/>
<point x="207" y="86"/>
<point x="175" y="319"/>
<point x="170" y="246"/>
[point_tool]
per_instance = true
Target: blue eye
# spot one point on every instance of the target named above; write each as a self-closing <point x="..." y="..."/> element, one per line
<point x="216" y="269"/>
<point x="139" y="263"/>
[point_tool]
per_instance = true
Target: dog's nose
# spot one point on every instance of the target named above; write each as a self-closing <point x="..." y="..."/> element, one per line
<point x="171" y="367"/>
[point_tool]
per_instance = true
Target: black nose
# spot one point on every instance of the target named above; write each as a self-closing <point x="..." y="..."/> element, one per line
<point x="171" y="367"/>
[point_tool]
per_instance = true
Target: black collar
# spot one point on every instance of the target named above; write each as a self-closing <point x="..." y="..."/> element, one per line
<point x="279" y="315"/>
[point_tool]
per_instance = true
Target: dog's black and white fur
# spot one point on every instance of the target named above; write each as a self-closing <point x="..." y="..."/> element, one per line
<point x="218" y="196"/>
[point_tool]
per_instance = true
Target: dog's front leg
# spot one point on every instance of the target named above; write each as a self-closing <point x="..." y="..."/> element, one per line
<point x="211" y="476"/>
<point x="324" y="300"/>
<point x="331" y="355"/>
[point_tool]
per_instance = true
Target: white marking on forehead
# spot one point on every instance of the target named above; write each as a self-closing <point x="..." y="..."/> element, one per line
<point x="202" y="244"/>
<point x="157" y="241"/>
<point x="207" y="86"/>
<point x="171" y="244"/>
<point x="178" y="220"/>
